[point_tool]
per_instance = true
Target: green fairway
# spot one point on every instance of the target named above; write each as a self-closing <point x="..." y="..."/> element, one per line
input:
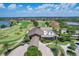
<point x="42" y="24"/>
<point x="24" y="23"/>
<point x="11" y="35"/>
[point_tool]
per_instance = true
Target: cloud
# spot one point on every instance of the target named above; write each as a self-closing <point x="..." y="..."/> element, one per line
<point x="20" y="5"/>
<point x="12" y="6"/>
<point x="51" y="7"/>
<point x="44" y="6"/>
<point x="67" y="6"/>
<point x="29" y="8"/>
<point x="77" y="8"/>
<point x="65" y="9"/>
<point x="2" y="6"/>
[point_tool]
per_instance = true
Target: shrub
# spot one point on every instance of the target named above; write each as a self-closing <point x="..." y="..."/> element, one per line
<point x="71" y="53"/>
<point x="18" y="33"/>
<point x="32" y="51"/>
<point x="72" y="46"/>
<point x="26" y="39"/>
<point x="46" y="40"/>
<point x="47" y="23"/>
<point x="3" y="26"/>
<point x="55" y="51"/>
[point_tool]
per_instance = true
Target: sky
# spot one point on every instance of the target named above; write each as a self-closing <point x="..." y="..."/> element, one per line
<point x="39" y="10"/>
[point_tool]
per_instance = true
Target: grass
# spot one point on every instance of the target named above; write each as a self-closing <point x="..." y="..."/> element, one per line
<point x="11" y="35"/>
<point x="24" y="23"/>
<point x="11" y="38"/>
<point x="32" y="51"/>
<point x="46" y="41"/>
<point x="42" y="24"/>
<point x="1" y="50"/>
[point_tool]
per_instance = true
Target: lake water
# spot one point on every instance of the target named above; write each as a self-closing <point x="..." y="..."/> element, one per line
<point x="5" y="23"/>
<point x="72" y="23"/>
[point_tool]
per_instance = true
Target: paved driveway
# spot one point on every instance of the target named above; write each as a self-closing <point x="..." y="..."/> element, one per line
<point x="19" y="51"/>
<point x="45" y="50"/>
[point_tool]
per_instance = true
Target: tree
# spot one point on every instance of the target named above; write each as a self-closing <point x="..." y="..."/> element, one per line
<point x="6" y="46"/>
<point x="3" y="26"/>
<point x="26" y="38"/>
<point x="13" y="22"/>
<point x="47" y="23"/>
<point x="35" y="23"/>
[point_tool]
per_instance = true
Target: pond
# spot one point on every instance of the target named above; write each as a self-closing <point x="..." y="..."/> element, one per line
<point x="7" y="23"/>
<point x="72" y="23"/>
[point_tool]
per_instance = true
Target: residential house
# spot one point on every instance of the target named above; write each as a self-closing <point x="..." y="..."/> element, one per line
<point x="35" y="35"/>
<point x="48" y="33"/>
<point x="64" y="31"/>
<point x="55" y="25"/>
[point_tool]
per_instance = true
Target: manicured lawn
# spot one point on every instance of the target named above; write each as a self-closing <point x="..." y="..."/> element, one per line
<point x="46" y="41"/>
<point x="42" y="24"/>
<point x="25" y="23"/>
<point x="11" y="35"/>
<point x="32" y="51"/>
<point x="1" y="50"/>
